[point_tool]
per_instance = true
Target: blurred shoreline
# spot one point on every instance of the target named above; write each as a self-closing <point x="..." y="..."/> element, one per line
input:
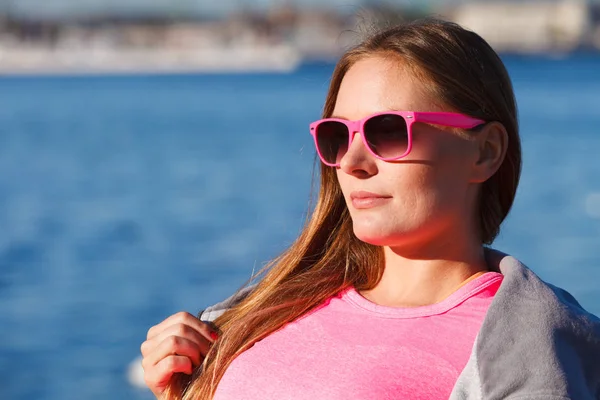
<point x="278" y="40"/>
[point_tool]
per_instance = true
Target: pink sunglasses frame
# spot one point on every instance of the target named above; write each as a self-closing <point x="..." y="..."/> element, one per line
<point x="410" y="117"/>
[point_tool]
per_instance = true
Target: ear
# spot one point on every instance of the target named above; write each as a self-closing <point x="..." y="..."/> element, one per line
<point x="492" y="143"/>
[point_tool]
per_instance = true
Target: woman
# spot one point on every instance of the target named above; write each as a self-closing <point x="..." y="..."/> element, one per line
<point x="389" y="292"/>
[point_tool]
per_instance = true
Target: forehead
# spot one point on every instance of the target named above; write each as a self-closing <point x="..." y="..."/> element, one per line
<point x="378" y="83"/>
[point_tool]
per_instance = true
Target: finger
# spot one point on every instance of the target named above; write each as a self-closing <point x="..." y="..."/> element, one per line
<point x="158" y="376"/>
<point x="182" y="318"/>
<point x="180" y="330"/>
<point x="174" y="345"/>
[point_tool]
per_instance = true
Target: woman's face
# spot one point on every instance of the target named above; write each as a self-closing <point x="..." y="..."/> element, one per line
<point x="427" y="195"/>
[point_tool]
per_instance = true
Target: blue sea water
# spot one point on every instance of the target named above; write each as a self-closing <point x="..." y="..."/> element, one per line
<point x="126" y="199"/>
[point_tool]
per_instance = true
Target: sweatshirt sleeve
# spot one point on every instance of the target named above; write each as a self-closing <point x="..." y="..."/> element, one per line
<point x="209" y="314"/>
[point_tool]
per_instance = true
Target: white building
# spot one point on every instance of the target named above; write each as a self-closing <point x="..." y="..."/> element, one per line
<point x="528" y="26"/>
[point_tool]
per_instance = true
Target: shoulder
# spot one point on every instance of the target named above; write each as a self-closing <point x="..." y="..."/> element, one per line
<point x="540" y="333"/>
<point x="526" y="292"/>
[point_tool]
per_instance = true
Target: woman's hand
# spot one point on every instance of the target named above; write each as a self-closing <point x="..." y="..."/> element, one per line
<point x="177" y="344"/>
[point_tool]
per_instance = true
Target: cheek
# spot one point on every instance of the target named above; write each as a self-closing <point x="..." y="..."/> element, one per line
<point x="451" y="177"/>
<point x="437" y="188"/>
<point x="417" y="191"/>
<point x="448" y="158"/>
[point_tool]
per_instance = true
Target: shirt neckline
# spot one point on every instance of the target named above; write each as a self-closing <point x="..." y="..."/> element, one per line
<point x="463" y="293"/>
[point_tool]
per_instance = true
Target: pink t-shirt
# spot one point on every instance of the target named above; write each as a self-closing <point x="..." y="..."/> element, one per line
<point x="352" y="348"/>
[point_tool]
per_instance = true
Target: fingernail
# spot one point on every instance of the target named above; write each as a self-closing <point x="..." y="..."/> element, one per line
<point x="214" y="335"/>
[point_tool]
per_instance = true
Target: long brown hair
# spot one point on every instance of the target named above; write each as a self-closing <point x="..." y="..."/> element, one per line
<point x="463" y="72"/>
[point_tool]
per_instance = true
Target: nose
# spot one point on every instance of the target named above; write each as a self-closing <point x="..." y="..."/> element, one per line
<point x="358" y="160"/>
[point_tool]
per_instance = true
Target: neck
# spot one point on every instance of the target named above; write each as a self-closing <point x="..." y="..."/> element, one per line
<point x="428" y="275"/>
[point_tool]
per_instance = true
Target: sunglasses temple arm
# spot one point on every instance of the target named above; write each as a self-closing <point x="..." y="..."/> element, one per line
<point x="457" y="121"/>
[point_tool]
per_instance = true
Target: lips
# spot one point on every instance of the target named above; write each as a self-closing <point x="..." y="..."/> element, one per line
<point x="363" y="199"/>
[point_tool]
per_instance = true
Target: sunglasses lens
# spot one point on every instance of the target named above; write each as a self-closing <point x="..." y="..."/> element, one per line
<point x="387" y="135"/>
<point x="332" y="141"/>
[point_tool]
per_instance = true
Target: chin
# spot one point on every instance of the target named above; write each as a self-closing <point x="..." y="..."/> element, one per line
<point x="384" y="233"/>
<point x="376" y="237"/>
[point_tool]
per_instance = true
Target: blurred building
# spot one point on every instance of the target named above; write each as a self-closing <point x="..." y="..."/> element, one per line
<point x="595" y="31"/>
<point x="277" y="39"/>
<point x="528" y="26"/>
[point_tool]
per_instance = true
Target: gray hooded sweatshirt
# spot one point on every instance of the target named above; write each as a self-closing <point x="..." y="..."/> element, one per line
<point x="536" y="342"/>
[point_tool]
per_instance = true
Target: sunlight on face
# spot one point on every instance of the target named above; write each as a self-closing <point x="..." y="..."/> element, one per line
<point x="426" y="195"/>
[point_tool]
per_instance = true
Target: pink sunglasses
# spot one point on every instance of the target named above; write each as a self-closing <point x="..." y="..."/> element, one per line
<point x="387" y="135"/>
